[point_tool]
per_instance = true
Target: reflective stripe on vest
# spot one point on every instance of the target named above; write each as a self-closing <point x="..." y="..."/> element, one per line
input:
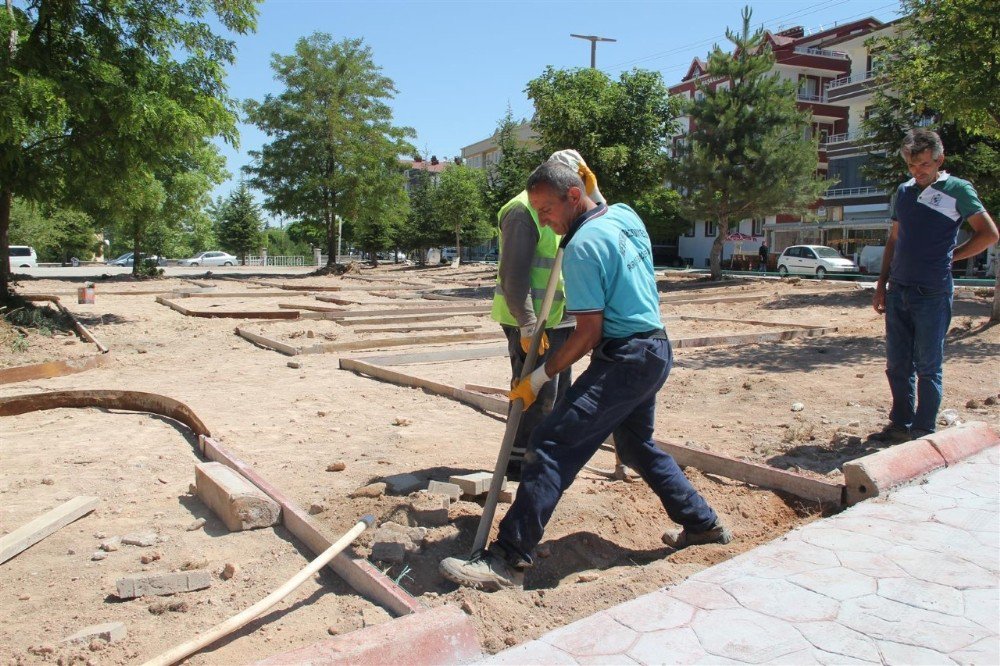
<point x="541" y="268"/>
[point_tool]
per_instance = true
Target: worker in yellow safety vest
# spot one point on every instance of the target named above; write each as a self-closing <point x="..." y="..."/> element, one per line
<point x="527" y="255"/>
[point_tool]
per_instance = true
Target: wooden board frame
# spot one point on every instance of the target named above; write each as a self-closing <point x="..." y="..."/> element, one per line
<point x="230" y="314"/>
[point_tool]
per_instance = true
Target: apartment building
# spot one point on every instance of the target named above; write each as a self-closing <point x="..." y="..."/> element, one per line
<point x="833" y="73"/>
<point x="485" y="153"/>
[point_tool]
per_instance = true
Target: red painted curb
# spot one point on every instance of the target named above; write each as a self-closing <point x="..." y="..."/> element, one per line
<point x="959" y="442"/>
<point x="873" y="475"/>
<point x="442" y="635"/>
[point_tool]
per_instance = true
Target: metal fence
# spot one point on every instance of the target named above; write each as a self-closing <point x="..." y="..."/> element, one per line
<point x="290" y="260"/>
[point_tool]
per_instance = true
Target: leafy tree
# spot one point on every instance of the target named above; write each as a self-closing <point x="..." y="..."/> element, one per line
<point x="241" y="226"/>
<point x="57" y="234"/>
<point x="746" y="156"/>
<point x="280" y="243"/>
<point x="383" y="209"/>
<point x="458" y="206"/>
<point x="622" y="128"/>
<point x="330" y="126"/>
<point x="421" y="229"/>
<point x="92" y="92"/>
<point x="944" y="58"/>
<point x="507" y="177"/>
<point x="942" y="64"/>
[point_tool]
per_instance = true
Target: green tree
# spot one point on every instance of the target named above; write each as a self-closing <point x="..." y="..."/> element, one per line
<point x="622" y="128"/>
<point x="942" y="63"/>
<point x="241" y="227"/>
<point x="746" y="156"/>
<point x="458" y="206"/>
<point x="421" y="229"/>
<point x="507" y="177"/>
<point x="383" y="208"/>
<point x="92" y="92"/>
<point x="57" y="234"/>
<point x="329" y="127"/>
<point x="944" y="59"/>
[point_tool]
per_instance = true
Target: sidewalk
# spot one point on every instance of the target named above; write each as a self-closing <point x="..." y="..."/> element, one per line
<point x="908" y="578"/>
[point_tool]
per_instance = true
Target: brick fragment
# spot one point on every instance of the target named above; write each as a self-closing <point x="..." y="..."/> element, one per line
<point x="452" y="490"/>
<point x="430" y="510"/>
<point x="402" y="484"/>
<point x="131" y="587"/>
<point x="475" y="484"/>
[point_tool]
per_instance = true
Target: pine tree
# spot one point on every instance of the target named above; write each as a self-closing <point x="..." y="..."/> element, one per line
<point x="241" y="226"/>
<point x="745" y="155"/>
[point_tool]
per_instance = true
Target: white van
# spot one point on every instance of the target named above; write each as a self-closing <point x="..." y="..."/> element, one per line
<point x="23" y="256"/>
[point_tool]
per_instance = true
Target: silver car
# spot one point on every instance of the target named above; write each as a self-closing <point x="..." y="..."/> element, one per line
<point x="815" y="260"/>
<point x="212" y="258"/>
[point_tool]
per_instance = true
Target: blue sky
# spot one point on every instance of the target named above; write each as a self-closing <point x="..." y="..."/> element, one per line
<point x="457" y="65"/>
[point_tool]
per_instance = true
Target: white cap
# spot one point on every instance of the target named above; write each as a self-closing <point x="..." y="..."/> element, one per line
<point x="574" y="161"/>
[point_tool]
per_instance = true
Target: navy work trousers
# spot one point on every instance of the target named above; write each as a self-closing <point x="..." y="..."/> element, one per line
<point x="615" y="395"/>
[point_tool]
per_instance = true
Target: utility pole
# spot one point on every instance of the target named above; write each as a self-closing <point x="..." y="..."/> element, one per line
<point x="593" y="39"/>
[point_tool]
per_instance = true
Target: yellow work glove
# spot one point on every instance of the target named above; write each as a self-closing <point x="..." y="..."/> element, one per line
<point x="526" y="390"/>
<point x="526" y="334"/>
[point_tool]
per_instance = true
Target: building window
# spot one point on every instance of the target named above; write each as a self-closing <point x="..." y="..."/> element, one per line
<point x="758" y="227"/>
<point x="709" y="229"/>
<point x="689" y="233"/>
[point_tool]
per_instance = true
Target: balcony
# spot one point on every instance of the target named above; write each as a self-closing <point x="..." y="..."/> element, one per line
<point x="847" y="87"/>
<point x="806" y="50"/>
<point x="865" y="192"/>
<point x="805" y="96"/>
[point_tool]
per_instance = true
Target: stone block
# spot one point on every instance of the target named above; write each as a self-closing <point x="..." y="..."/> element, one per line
<point x="109" y="631"/>
<point x="131" y="587"/>
<point x="873" y="475"/>
<point x="453" y="491"/>
<point x="238" y="503"/>
<point x="430" y="510"/>
<point x="402" y="484"/>
<point x="507" y="495"/>
<point x="412" y="538"/>
<point x="388" y="551"/>
<point x="475" y="484"/>
<point x="144" y="540"/>
<point x="959" y="442"/>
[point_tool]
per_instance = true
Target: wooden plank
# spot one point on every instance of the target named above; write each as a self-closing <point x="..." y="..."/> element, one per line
<point x="404" y="310"/>
<point x="489" y="390"/>
<point x="752" y="322"/>
<point x="229" y="314"/>
<point x="28" y="535"/>
<point x="484" y="402"/>
<point x="237" y="502"/>
<point x="753" y="473"/>
<point x="352" y="321"/>
<point x="51" y="369"/>
<point x="235" y="294"/>
<point x="268" y="342"/>
<point x="311" y="308"/>
<point x="468" y="354"/>
<point x="749" y="338"/>
<point x="360" y="574"/>
<point x="667" y="300"/>
<point x="415" y="327"/>
<point x="327" y="347"/>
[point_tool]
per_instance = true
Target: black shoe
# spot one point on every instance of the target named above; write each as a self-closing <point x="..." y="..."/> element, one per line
<point x="483" y="571"/>
<point x="893" y="434"/>
<point x="717" y="533"/>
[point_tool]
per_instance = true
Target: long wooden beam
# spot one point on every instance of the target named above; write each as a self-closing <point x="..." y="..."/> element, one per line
<point x="229" y="314"/>
<point x="483" y="402"/>
<point x="268" y="343"/>
<point x="467" y="354"/>
<point x="327" y="347"/>
<point x="749" y="338"/>
<point x="754" y="473"/>
<point x="31" y="533"/>
<point x="394" y="311"/>
<point x="49" y="369"/>
<point x="415" y="327"/>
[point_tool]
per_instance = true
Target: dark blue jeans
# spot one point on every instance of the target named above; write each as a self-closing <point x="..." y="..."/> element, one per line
<point x="916" y="322"/>
<point x="615" y="395"/>
<point x="552" y="392"/>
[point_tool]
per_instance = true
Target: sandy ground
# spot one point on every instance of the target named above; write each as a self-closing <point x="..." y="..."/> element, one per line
<point x="602" y="546"/>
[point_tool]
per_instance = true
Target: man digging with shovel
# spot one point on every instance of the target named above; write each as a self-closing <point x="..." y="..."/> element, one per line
<point x="610" y="288"/>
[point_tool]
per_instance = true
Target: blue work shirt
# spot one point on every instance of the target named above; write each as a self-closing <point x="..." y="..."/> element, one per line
<point x="929" y="219"/>
<point x="608" y="267"/>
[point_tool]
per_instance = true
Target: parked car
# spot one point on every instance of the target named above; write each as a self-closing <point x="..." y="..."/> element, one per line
<point x="492" y="255"/>
<point x="23" y="256"/>
<point x="448" y="254"/>
<point x="212" y="258"/>
<point x="815" y="260"/>
<point x="127" y="260"/>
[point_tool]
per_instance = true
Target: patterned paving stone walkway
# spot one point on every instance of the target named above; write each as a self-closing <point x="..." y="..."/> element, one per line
<point x="911" y="578"/>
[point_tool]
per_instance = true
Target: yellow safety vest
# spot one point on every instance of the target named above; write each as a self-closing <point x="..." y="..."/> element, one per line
<point x="541" y="269"/>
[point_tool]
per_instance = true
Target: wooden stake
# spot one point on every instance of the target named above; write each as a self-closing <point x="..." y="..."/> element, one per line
<point x="28" y="535"/>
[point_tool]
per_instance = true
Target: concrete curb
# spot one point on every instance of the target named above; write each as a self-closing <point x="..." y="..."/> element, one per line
<point x="442" y="635"/>
<point x="873" y="475"/>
